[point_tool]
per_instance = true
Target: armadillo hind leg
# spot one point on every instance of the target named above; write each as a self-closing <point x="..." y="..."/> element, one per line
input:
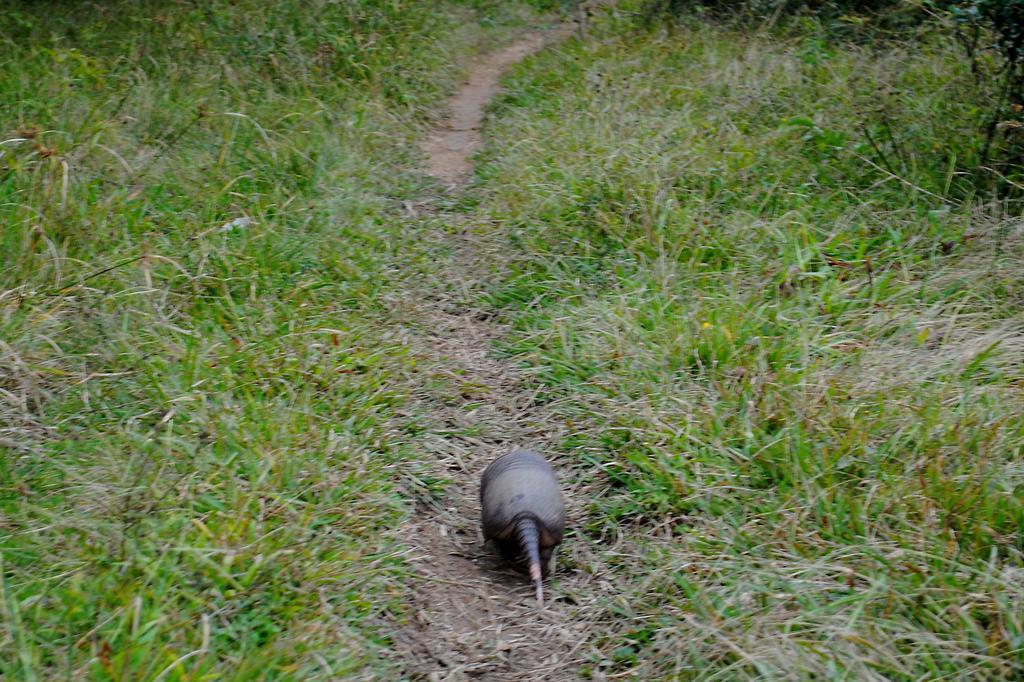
<point x="547" y="560"/>
<point x="551" y="564"/>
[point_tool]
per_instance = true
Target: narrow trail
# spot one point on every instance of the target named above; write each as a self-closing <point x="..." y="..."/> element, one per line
<point x="473" y="616"/>
<point x="450" y="146"/>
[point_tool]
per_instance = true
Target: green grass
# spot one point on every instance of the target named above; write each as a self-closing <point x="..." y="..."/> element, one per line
<point x="198" y="396"/>
<point x="802" y="368"/>
<point x="748" y="265"/>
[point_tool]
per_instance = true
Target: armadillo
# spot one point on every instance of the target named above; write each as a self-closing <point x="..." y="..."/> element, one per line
<point x="522" y="510"/>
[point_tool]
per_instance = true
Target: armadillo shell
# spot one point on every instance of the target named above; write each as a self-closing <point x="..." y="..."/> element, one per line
<point x="520" y="484"/>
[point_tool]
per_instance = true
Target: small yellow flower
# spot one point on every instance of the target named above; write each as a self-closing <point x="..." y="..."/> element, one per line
<point x="705" y="325"/>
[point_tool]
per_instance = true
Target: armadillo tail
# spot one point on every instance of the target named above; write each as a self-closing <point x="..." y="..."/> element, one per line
<point x="529" y="540"/>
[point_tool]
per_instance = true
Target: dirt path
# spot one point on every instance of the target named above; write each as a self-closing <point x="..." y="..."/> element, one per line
<point x="473" y="616"/>
<point x="450" y="146"/>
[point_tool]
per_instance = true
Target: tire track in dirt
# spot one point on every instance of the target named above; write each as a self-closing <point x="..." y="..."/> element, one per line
<point x="472" y="616"/>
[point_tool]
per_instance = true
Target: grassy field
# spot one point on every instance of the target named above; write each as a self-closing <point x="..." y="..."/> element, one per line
<point x="746" y="264"/>
<point x="197" y="393"/>
<point x="805" y="367"/>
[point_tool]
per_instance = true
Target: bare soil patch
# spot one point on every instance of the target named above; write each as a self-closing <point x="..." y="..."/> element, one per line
<point x="450" y="146"/>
